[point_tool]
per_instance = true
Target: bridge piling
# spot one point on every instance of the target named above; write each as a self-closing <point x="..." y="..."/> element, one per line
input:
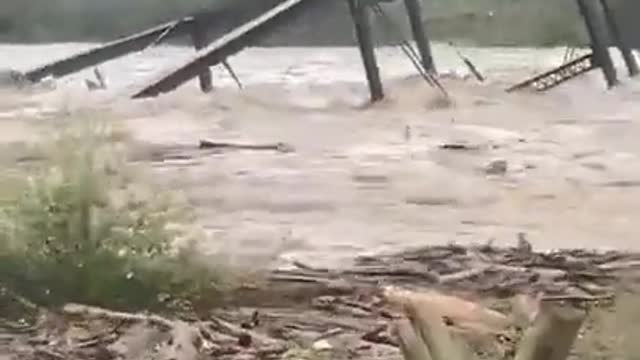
<point x="414" y="10"/>
<point x="619" y="39"/>
<point x="595" y="24"/>
<point x="361" y="15"/>
<point x="199" y="39"/>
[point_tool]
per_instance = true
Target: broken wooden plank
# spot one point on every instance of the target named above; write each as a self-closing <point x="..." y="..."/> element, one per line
<point x="111" y="50"/>
<point x="225" y="46"/>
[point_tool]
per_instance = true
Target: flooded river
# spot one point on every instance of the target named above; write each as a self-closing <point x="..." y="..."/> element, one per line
<point x="370" y="179"/>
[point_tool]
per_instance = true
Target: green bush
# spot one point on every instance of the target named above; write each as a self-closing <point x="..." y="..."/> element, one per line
<point x="83" y="230"/>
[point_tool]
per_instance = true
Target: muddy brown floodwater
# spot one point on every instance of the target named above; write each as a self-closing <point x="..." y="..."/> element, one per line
<point x="371" y="179"/>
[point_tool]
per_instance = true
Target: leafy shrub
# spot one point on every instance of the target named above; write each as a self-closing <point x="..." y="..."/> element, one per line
<point x="83" y="230"/>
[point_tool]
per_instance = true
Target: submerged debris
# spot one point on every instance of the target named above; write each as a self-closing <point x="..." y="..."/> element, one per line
<point x="98" y="84"/>
<point x="13" y="78"/>
<point x="496" y="167"/>
<point x="279" y="147"/>
<point x="458" y="146"/>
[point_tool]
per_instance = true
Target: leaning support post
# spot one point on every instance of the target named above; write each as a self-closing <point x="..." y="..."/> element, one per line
<point x="360" y="13"/>
<point x="598" y="35"/>
<point x="111" y="50"/>
<point x="411" y="344"/>
<point x="414" y="10"/>
<point x="199" y="38"/>
<point x="231" y="43"/>
<point x="430" y="328"/>
<point x="619" y="39"/>
<point x="552" y="334"/>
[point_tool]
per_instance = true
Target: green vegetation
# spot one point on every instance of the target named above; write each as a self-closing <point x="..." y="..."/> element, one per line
<point x="88" y="20"/>
<point x="81" y="227"/>
<point x="482" y="22"/>
<point x="512" y="22"/>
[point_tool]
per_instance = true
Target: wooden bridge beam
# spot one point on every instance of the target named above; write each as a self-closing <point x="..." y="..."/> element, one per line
<point x="109" y="51"/>
<point x="227" y="45"/>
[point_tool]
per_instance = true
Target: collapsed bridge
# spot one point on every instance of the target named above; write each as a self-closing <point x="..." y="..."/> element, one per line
<point x="599" y="18"/>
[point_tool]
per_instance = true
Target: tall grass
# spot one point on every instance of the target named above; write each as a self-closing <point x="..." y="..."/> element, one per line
<point x="75" y="20"/>
<point x="481" y="22"/>
<point x="84" y="227"/>
<point x="507" y="23"/>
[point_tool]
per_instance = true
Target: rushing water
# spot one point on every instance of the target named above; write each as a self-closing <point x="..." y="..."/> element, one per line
<point x="374" y="179"/>
<point x="287" y="65"/>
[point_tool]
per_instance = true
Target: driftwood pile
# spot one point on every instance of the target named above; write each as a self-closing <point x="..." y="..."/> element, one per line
<point x="487" y="271"/>
<point x="388" y="306"/>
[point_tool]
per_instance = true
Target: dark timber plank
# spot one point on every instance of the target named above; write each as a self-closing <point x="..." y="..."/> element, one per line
<point x="111" y="50"/>
<point x="225" y="46"/>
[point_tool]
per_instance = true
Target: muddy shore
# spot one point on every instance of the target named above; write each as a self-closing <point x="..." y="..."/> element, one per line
<point x="334" y="314"/>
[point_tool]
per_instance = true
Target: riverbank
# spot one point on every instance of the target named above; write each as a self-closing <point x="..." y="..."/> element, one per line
<point x="484" y="23"/>
<point x="487" y="297"/>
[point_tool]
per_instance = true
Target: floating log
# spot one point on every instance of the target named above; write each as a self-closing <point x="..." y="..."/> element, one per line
<point x="280" y="147"/>
<point x="225" y="46"/>
<point x="111" y="50"/>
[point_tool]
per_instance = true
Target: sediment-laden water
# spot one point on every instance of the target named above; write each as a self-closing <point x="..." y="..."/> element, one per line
<point x="368" y="179"/>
